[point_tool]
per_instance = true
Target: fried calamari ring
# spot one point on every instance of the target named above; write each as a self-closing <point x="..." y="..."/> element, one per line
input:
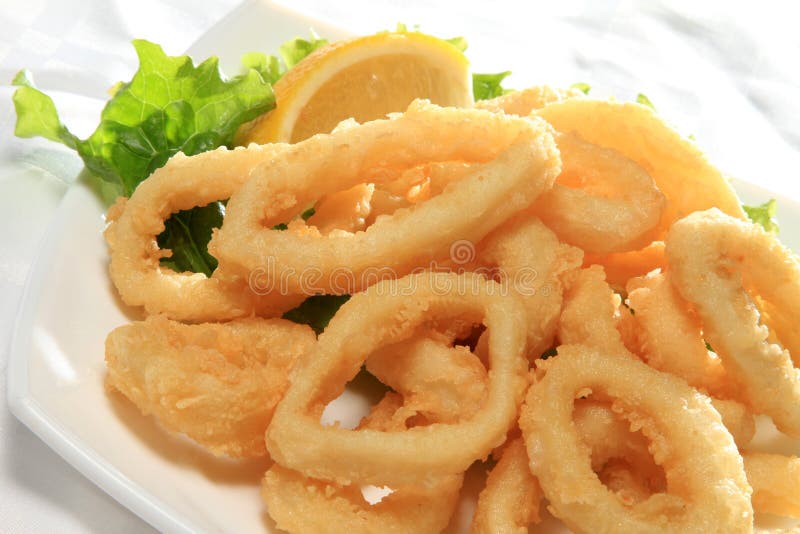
<point x="671" y="338"/>
<point x="216" y="383"/>
<point x="299" y="505"/>
<point x="442" y="384"/>
<point x="602" y="201"/>
<point x="776" y="482"/>
<point x="390" y="312"/>
<point x="609" y="438"/>
<point x="510" y="500"/>
<point x="712" y="258"/>
<point x="524" y="102"/>
<point x="430" y="375"/>
<point x="516" y="159"/>
<point x="708" y="491"/>
<point x="680" y="170"/>
<point x="183" y="183"/>
<point x="591" y="316"/>
<point x="530" y="261"/>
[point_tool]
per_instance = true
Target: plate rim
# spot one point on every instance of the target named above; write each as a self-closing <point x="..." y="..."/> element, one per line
<point x="76" y="452"/>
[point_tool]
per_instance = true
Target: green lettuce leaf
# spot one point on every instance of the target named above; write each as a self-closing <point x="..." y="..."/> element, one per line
<point x="316" y="311"/>
<point x="582" y="87"/>
<point x="642" y="99"/>
<point x="187" y="234"/>
<point x="459" y="42"/>
<point x="36" y="113"/>
<point x="486" y="86"/>
<point x="170" y="105"/>
<point x="764" y="214"/>
<point x="292" y="52"/>
<point x="269" y="67"/>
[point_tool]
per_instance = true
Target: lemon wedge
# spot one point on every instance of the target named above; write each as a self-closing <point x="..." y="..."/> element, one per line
<point x="363" y="78"/>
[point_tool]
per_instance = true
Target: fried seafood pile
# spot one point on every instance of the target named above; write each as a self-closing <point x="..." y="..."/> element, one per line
<point x="563" y="286"/>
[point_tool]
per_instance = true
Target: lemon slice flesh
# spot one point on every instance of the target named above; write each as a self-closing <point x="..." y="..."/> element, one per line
<point x="363" y="78"/>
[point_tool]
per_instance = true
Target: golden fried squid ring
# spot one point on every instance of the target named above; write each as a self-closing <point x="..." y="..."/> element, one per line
<point x="671" y="338"/>
<point x="420" y="367"/>
<point x="707" y="488"/>
<point x="216" y="383"/>
<point x="591" y="315"/>
<point x="299" y="505"/>
<point x="442" y="384"/>
<point x="680" y="170"/>
<point x="530" y="261"/>
<point x="524" y="102"/>
<point x="510" y="500"/>
<point x="602" y="201"/>
<point x="390" y="312"/>
<point x="776" y="482"/>
<point x="183" y="183"/>
<point x="712" y="258"/>
<point x="516" y="159"/>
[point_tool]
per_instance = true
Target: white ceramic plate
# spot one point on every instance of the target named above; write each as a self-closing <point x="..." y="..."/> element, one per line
<point x="56" y="365"/>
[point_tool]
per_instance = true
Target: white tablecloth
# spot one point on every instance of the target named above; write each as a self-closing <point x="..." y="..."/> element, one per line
<point x="738" y="59"/>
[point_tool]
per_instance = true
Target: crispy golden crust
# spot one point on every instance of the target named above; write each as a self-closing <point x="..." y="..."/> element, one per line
<point x="680" y="171"/>
<point x="708" y="491"/>
<point x="216" y="383"/>
<point x="776" y="482"/>
<point x="391" y="311"/>
<point x="437" y="382"/>
<point x="510" y="500"/>
<point x="531" y="261"/>
<point x="671" y="338"/>
<point x="589" y="312"/>
<point x="183" y="183"/>
<point x="712" y="258"/>
<point x="524" y="102"/>
<point x="299" y="504"/>
<point x="602" y="201"/>
<point x="515" y="160"/>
